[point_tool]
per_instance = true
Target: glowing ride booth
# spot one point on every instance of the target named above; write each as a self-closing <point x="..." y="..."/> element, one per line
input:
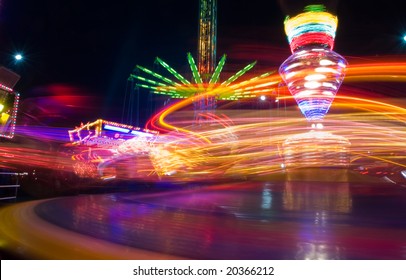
<point x="107" y="150"/>
<point x="9" y="100"/>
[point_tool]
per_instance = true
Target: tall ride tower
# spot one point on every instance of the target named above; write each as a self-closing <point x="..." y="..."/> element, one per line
<point x="207" y="38"/>
<point x="206" y="49"/>
<point x="205" y="87"/>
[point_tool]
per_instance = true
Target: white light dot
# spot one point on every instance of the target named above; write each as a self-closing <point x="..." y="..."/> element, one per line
<point x="319" y="126"/>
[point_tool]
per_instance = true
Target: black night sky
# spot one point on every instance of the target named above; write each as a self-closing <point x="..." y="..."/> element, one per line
<point x="94" y="45"/>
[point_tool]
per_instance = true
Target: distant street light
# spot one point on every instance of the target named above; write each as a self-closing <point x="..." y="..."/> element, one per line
<point x="404" y="38"/>
<point x="18" y="57"/>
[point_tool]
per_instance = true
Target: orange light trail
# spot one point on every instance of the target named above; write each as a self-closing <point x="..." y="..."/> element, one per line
<point x="372" y="126"/>
<point x="248" y="143"/>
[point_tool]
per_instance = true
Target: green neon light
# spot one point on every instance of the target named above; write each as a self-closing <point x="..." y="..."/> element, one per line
<point x="193" y="67"/>
<point x="239" y="74"/>
<point x="171" y="91"/>
<point x="315" y="8"/>
<point x="225" y="91"/>
<point x="172" y="94"/>
<point x="173" y="71"/>
<point x="156" y="75"/>
<point x="215" y="77"/>
<point x="148" y="80"/>
<point x="146" y="86"/>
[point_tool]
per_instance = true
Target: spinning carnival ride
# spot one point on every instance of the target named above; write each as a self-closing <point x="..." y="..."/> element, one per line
<point x="173" y="156"/>
<point x="313" y="75"/>
<point x="213" y="144"/>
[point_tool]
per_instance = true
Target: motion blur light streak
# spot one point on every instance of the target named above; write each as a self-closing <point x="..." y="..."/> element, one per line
<point x="326" y="215"/>
<point x="272" y="168"/>
<point x="358" y="72"/>
<point x="243" y="143"/>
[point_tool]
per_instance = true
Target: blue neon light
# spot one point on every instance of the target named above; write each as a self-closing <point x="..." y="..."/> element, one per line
<point x="115" y="128"/>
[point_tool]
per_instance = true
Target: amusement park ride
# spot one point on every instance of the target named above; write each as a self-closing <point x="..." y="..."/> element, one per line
<point x="9" y="100"/>
<point x="206" y="149"/>
<point x="204" y="91"/>
<point x="206" y="144"/>
<point x="303" y="185"/>
<point x="205" y="88"/>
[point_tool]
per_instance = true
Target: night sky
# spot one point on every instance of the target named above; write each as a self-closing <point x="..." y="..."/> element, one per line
<point x="94" y="45"/>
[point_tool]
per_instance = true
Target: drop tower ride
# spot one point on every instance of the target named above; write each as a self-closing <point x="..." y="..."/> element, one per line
<point x="207" y="47"/>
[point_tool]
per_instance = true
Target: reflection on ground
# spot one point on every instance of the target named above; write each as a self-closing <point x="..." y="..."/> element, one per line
<point x="242" y="220"/>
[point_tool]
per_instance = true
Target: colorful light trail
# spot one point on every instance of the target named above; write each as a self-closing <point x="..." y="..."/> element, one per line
<point x="243" y="143"/>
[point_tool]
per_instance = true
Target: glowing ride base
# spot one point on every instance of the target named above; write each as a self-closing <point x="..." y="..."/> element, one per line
<point x="326" y="154"/>
<point x="313" y="75"/>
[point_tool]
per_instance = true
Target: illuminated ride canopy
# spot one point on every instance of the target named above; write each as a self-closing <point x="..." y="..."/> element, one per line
<point x="314" y="72"/>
